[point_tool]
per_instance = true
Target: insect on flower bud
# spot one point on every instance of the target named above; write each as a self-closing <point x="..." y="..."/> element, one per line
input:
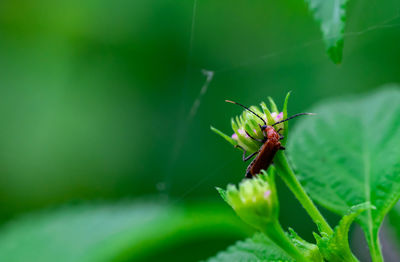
<point x="249" y="124"/>
<point x="259" y="134"/>
<point x="255" y="201"/>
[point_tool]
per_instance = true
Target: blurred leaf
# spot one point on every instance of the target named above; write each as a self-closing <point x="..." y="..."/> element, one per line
<point x="112" y="232"/>
<point x="394" y="221"/>
<point x="331" y="14"/>
<point x="349" y="154"/>
<point x="257" y="248"/>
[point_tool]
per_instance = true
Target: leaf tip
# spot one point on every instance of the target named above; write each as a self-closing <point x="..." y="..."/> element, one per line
<point x="222" y="193"/>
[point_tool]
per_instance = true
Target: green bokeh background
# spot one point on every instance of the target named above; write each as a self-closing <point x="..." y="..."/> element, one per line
<point x="95" y="95"/>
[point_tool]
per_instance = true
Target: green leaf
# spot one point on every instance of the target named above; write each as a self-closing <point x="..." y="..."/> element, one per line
<point x="394" y="221"/>
<point x="335" y="248"/>
<point x="331" y="15"/>
<point x="113" y="232"/>
<point x="273" y="106"/>
<point x="222" y="193"/>
<point x="309" y="250"/>
<point x="349" y="154"/>
<point x="257" y="248"/>
<point x="285" y="115"/>
<point x="226" y="137"/>
<point x="270" y="119"/>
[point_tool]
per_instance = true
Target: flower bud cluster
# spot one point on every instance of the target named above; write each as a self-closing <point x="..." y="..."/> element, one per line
<point x="255" y="200"/>
<point x="248" y="123"/>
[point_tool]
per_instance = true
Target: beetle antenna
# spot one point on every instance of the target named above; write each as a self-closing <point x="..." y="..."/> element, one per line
<point x="236" y="103"/>
<point x="293" y="116"/>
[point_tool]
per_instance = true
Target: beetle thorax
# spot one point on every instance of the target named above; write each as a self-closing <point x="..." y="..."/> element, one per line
<point x="271" y="133"/>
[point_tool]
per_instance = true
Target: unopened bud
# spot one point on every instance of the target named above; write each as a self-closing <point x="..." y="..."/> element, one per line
<point x="255" y="201"/>
<point x="247" y="126"/>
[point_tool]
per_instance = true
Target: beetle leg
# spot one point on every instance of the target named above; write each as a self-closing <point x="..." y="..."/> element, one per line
<point x="250" y="156"/>
<point x="248" y="170"/>
<point x="249" y="175"/>
<point x="281" y="137"/>
<point x="282" y="148"/>
<point x="244" y="154"/>
<point x="237" y="146"/>
<point x="280" y="129"/>
<point x="256" y="139"/>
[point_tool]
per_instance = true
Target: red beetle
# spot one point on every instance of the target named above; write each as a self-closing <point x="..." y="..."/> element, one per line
<point x="270" y="144"/>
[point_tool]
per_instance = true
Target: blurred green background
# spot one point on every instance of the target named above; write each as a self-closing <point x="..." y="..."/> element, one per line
<point x="95" y="96"/>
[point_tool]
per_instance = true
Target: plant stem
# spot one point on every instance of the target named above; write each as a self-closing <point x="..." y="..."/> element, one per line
<point x="275" y="232"/>
<point x="375" y="248"/>
<point x="288" y="176"/>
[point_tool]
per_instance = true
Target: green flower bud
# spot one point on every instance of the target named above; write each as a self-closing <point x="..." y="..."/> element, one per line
<point x="248" y="123"/>
<point x="255" y="201"/>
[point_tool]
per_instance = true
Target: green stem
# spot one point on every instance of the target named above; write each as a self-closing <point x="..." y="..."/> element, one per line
<point x="375" y="248"/>
<point x="275" y="232"/>
<point x="288" y="176"/>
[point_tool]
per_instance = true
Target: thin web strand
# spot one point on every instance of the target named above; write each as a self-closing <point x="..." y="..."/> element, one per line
<point x="381" y="25"/>
<point x="196" y="104"/>
<point x="182" y="124"/>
